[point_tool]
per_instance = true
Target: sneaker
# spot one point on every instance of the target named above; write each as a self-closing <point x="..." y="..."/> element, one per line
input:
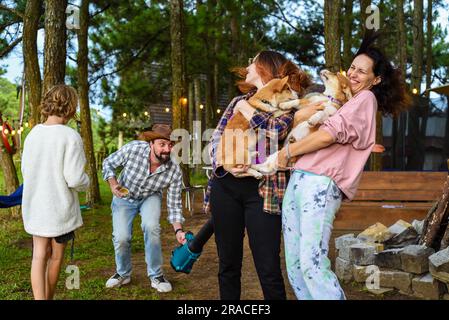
<point x="117" y="281"/>
<point x="161" y="284"/>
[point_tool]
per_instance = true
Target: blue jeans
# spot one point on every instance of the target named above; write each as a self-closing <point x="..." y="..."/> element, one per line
<point x="123" y="214"/>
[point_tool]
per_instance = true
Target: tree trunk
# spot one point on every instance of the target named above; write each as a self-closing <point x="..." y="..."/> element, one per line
<point x="446" y="140"/>
<point x="376" y="158"/>
<point x="9" y="174"/>
<point x="191" y="102"/>
<point x="179" y="92"/>
<point x="177" y="59"/>
<point x="332" y="34"/>
<point x="198" y="115"/>
<point x="429" y="46"/>
<point x="191" y="107"/>
<point x="55" y="43"/>
<point x="363" y="15"/>
<point x="418" y="44"/>
<point x="347" y="34"/>
<point x="402" y="39"/>
<point x="399" y="155"/>
<point x="235" y="34"/>
<point x="416" y="159"/>
<point x="93" y="193"/>
<point x="30" y="58"/>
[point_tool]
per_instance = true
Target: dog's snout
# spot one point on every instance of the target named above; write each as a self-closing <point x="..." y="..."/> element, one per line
<point x="323" y="72"/>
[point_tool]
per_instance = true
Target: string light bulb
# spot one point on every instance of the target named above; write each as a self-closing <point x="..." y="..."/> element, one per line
<point x="167" y="109"/>
<point x="27" y="124"/>
<point x="415" y="91"/>
<point x="201" y="106"/>
<point x="124" y="114"/>
<point x="6" y="131"/>
<point x="146" y="113"/>
<point x="218" y="111"/>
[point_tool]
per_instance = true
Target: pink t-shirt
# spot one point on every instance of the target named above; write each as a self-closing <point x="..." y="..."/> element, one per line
<point x="353" y="127"/>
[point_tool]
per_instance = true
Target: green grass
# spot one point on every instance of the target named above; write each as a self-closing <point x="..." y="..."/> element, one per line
<point x="94" y="256"/>
<point x="198" y="179"/>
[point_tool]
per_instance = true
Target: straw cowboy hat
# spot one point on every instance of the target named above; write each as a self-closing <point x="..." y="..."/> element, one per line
<point x="158" y="131"/>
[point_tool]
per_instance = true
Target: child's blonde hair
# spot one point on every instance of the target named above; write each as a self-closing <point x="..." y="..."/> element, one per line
<point x="61" y="100"/>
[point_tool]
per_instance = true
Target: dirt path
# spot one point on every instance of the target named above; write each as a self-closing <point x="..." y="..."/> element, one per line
<point x="202" y="282"/>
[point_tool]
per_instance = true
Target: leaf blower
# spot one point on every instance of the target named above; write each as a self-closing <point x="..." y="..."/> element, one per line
<point x="184" y="256"/>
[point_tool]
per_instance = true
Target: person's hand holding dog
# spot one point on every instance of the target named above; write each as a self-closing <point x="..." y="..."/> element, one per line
<point x="283" y="160"/>
<point x="245" y="109"/>
<point x="240" y="168"/>
<point x="309" y="110"/>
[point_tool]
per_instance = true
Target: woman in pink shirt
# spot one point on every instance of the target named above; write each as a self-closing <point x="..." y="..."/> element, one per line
<point x="330" y="169"/>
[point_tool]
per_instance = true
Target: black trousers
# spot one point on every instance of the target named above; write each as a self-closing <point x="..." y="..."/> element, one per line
<point x="236" y="204"/>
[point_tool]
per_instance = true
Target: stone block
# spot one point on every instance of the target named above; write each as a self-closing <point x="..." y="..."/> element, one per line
<point x="343" y="270"/>
<point x="341" y="241"/>
<point x="415" y="258"/>
<point x="439" y="265"/>
<point x="380" y="291"/>
<point x="379" y="246"/>
<point x="375" y="233"/>
<point x="344" y="247"/>
<point x="396" y="279"/>
<point x="407" y="237"/>
<point x="418" y="225"/>
<point x="360" y="273"/>
<point x="426" y="287"/>
<point x="390" y="258"/>
<point x="399" y="227"/>
<point x="362" y="254"/>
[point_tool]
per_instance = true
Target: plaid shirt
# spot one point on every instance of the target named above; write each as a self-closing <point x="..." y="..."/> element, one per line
<point x="271" y="187"/>
<point x="141" y="183"/>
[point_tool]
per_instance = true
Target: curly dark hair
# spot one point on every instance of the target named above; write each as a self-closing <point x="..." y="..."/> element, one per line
<point x="391" y="92"/>
<point x="61" y="100"/>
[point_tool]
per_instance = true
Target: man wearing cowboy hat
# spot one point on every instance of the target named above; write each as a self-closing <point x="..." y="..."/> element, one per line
<point x="147" y="170"/>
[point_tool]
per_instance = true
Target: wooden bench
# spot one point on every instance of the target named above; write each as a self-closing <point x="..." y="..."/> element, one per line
<point x="385" y="197"/>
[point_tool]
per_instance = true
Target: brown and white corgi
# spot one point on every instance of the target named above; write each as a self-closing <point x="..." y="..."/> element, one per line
<point x="237" y="144"/>
<point x="337" y="92"/>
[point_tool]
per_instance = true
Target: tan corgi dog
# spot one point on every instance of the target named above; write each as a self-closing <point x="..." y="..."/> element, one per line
<point x="337" y="93"/>
<point x="237" y="144"/>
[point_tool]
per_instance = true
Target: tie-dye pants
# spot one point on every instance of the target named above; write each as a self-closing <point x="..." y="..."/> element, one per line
<point x="309" y="207"/>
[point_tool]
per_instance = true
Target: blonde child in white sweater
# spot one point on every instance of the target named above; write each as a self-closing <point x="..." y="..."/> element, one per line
<point x="53" y="163"/>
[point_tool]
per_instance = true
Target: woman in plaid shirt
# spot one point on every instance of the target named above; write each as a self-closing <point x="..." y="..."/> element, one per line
<point x="239" y="203"/>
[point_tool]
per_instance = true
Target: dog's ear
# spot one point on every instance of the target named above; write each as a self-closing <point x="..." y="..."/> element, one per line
<point x="345" y="85"/>
<point x="281" y="85"/>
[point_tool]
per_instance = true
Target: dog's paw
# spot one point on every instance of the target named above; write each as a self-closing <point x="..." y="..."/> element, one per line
<point x="287" y="105"/>
<point x="256" y="174"/>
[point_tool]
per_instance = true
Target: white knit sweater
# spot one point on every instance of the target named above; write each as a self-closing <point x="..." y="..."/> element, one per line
<point x="53" y="163"/>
